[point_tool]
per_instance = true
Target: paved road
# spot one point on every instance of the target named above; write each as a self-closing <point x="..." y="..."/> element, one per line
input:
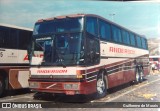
<point x="147" y="91"/>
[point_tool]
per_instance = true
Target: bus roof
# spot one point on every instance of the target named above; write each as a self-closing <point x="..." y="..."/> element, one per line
<point x="82" y="15"/>
<point x="61" y="17"/>
<point x="15" y="27"/>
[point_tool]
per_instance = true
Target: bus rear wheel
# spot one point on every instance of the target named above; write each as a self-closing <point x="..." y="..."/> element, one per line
<point x="2" y="86"/>
<point x="139" y="75"/>
<point x="101" y="86"/>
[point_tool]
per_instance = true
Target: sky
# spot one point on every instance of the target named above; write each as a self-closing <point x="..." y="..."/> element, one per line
<point x="140" y="17"/>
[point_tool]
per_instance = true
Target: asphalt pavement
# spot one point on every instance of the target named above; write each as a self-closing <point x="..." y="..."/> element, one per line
<point x="122" y="98"/>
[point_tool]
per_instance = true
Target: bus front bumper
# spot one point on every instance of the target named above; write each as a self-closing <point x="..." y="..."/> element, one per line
<point x="68" y="88"/>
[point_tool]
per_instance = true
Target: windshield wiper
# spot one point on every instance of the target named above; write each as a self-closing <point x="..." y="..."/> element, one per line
<point x="60" y="60"/>
<point x="62" y="63"/>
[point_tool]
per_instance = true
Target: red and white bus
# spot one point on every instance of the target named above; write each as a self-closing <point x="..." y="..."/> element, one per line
<point x="85" y="54"/>
<point x="14" y="64"/>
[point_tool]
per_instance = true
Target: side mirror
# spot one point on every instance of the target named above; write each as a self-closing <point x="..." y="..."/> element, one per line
<point x="97" y="53"/>
<point x="29" y="53"/>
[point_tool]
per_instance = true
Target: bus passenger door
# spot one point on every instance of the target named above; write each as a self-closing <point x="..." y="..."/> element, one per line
<point x="92" y="41"/>
<point x="92" y="50"/>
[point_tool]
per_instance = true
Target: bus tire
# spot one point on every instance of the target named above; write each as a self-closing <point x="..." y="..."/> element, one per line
<point x="137" y="80"/>
<point x="101" y="86"/>
<point x="141" y="73"/>
<point x="2" y="86"/>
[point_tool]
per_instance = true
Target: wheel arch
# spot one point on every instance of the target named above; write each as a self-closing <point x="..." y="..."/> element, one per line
<point x="4" y="74"/>
<point x="102" y="84"/>
<point x="105" y="75"/>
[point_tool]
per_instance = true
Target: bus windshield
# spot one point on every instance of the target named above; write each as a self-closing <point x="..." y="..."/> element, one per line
<point x="58" y="25"/>
<point x="60" y="41"/>
<point x="60" y="49"/>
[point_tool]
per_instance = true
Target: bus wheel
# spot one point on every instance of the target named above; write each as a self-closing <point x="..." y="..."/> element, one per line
<point x="137" y="76"/>
<point x="141" y="73"/>
<point x="1" y="86"/>
<point x="101" y="86"/>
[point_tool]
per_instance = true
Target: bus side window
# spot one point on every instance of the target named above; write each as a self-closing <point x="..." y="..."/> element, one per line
<point x="126" y="38"/>
<point x="139" y="43"/>
<point x="91" y="26"/>
<point x="132" y="38"/>
<point x="116" y="34"/>
<point x="13" y="39"/>
<point x="104" y="30"/>
<point x="2" y="37"/>
<point x="24" y="39"/>
<point x="92" y="51"/>
<point x="144" y="43"/>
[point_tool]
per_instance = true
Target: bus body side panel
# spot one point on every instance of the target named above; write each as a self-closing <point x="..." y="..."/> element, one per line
<point x="129" y="75"/>
<point x="146" y="70"/>
<point x="115" y="79"/>
<point x="16" y="68"/>
<point x="18" y="78"/>
<point x="120" y="78"/>
<point x="8" y="56"/>
<point x="120" y="62"/>
<point x="15" y="77"/>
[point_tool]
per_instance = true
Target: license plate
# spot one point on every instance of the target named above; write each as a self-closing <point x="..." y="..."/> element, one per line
<point x="70" y="93"/>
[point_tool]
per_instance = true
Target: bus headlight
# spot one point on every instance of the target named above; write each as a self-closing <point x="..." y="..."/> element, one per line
<point x="33" y="85"/>
<point x="71" y="86"/>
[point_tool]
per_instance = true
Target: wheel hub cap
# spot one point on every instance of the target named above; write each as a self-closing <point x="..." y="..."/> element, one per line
<point x="100" y="86"/>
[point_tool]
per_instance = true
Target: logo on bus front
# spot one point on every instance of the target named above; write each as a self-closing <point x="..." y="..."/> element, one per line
<point x="51" y="71"/>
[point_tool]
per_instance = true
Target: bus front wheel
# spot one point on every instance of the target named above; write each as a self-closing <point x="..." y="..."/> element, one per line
<point x="101" y="86"/>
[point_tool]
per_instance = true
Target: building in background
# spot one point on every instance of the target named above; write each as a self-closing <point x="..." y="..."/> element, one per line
<point x="154" y="52"/>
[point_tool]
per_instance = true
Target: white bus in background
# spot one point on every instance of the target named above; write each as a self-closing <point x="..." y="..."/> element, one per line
<point x="155" y="62"/>
<point x="14" y="62"/>
<point x="85" y="54"/>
